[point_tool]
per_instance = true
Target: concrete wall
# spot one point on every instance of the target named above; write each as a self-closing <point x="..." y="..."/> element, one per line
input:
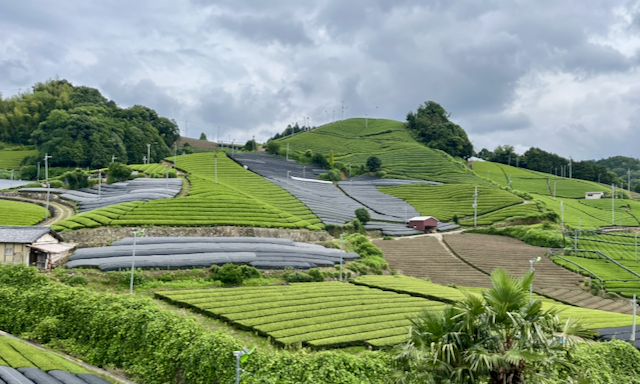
<point x="100" y="237"/>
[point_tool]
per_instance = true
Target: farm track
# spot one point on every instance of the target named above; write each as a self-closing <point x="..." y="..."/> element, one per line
<point x="488" y="252"/>
<point x="426" y="257"/>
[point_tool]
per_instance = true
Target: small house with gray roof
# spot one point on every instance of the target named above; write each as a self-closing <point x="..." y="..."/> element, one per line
<point x="36" y="246"/>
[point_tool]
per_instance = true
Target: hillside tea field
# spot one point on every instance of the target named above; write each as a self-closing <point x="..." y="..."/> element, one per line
<point x="318" y="315"/>
<point x="354" y="141"/>
<point x="239" y="198"/>
<point x="20" y="213"/>
<point x="445" y="201"/>
<point x="13" y="159"/>
<point x="578" y="214"/>
<point x="535" y="182"/>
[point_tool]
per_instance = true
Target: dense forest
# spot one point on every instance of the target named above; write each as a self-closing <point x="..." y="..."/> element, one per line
<point x="613" y="170"/>
<point x="77" y="126"/>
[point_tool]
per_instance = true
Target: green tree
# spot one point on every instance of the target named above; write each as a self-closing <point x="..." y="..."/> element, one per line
<point x="332" y="160"/>
<point x="501" y="337"/>
<point x="250" y="145"/>
<point x="118" y="171"/>
<point x="203" y="136"/>
<point x="374" y="164"/>
<point x="363" y="215"/>
<point x="430" y="125"/>
<point x="273" y="147"/>
<point x="77" y="179"/>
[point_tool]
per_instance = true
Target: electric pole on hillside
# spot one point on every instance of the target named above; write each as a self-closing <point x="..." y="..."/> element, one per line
<point x="46" y="175"/>
<point x="475" y="207"/>
<point x="613" y="205"/>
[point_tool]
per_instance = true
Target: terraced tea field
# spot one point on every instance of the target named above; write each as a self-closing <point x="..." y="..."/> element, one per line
<point x="353" y="141"/>
<point x="577" y="214"/>
<point x="536" y="182"/>
<point x="153" y="170"/>
<point x="319" y="315"/>
<point x="445" y="201"/>
<point x="622" y="207"/>
<point x="488" y="252"/>
<point x="239" y="198"/>
<point x="20" y="213"/>
<point x="593" y="318"/>
<point x="427" y="257"/>
<point x="411" y="286"/>
<point x="12" y="159"/>
<point x="514" y="211"/>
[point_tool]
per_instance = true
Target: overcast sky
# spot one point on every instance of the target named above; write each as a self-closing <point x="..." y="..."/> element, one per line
<point x="559" y="75"/>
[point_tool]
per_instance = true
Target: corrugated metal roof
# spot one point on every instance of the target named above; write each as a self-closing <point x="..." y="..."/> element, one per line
<point x="24" y="234"/>
<point x="53" y="247"/>
<point x="422" y="218"/>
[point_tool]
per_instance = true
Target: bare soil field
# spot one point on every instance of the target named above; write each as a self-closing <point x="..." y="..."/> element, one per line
<point x="426" y="257"/>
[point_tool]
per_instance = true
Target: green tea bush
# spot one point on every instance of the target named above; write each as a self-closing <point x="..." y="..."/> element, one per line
<point x="230" y="274"/>
<point x="536" y="235"/>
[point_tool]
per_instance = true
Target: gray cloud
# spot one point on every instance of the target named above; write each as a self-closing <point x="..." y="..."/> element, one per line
<point x="526" y="74"/>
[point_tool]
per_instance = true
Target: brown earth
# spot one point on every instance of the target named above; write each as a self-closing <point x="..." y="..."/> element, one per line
<point x="424" y="256"/>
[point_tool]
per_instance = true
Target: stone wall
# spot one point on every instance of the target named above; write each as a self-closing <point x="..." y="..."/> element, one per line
<point x="100" y="237"/>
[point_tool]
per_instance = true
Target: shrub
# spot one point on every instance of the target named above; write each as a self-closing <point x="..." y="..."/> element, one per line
<point x="230" y="274"/>
<point x="76" y="179"/>
<point x="77" y="281"/>
<point x="381" y="174"/>
<point x="273" y="147"/>
<point x="357" y="226"/>
<point x="334" y="175"/>
<point x="374" y="164"/>
<point x="316" y="274"/>
<point x="55" y="184"/>
<point x="320" y="160"/>
<point x="363" y="215"/>
<point x="298" y="277"/>
<point x="249" y="272"/>
<point x="124" y="278"/>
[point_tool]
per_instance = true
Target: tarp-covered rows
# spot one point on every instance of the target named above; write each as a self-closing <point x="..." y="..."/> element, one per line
<point x="330" y="204"/>
<point x="141" y="189"/>
<point x="10" y="375"/>
<point x="187" y="252"/>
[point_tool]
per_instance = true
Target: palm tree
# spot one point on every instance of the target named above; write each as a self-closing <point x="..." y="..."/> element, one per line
<point x="499" y="337"/>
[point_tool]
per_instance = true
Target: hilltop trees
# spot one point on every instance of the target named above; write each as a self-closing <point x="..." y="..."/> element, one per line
<point x="80" y="127"/>
<point x="430" y="125"/>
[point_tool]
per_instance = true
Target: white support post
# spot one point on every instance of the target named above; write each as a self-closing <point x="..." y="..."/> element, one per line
<point x="475" y="207"/>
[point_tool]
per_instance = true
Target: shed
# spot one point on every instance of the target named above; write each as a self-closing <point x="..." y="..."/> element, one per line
<point x="37" y="246"/>
<point x="424" y="223"/>
<point x="593" y="195"/>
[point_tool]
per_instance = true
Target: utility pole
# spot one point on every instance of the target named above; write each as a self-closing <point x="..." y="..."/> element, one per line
<point x="287" y="151"/>
<point x="99" y="182"/>
<point x="629" y="181"/>
<point x="38" y="175"/>
<point x="613" y="205"/>
<point x="341" y="250"/>
<point x="186" y="128"/>
<point x="554" y="190"/>
<point x="532" y="269"/>
<point x="148" y="152"/>
<point x="46" y="176"/>
<point x="255" y="147"/>
<point x="175" y="155"/>
<point x="475" y="206"/>
<point x="133" y="258"/>
<point x="570" y="167"/>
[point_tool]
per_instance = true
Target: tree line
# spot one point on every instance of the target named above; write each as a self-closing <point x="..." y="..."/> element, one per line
<point x="600" y="171"/>
<point x="79" y="127"/>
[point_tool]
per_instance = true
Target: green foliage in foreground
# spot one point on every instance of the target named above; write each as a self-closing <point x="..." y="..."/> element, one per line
<point x="155" y="345"/>
<point x="20" y="213"/>
<point x="502" y="337"/>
